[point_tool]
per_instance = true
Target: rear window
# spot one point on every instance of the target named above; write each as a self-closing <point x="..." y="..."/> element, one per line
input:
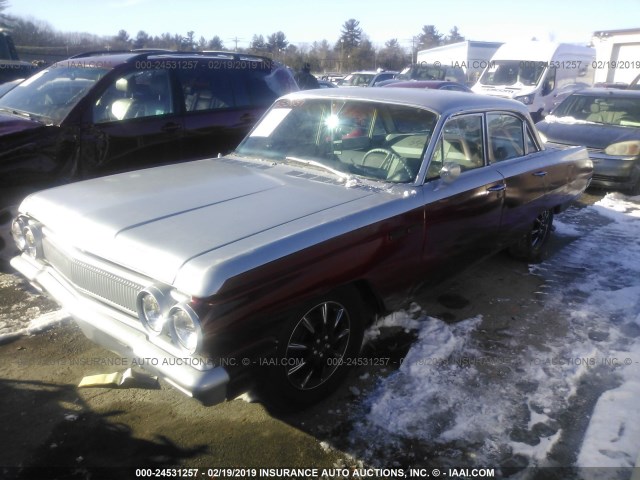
<point x="223" y="84"/>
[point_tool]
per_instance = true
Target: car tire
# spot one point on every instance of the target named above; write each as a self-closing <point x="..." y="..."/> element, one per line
<point x="533" y="246"/>
<point x="316" y="346"/>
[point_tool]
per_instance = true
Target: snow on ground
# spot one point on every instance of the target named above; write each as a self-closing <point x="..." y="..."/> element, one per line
<point x="22" y="311"/>
<point x="561" y="390"/>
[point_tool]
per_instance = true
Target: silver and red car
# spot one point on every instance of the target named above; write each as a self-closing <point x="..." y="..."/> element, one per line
<point x="263" y="267"/>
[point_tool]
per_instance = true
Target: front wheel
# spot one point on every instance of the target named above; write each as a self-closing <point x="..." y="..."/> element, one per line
<point x="315" y="349"/>
<point x="533" y="246"/>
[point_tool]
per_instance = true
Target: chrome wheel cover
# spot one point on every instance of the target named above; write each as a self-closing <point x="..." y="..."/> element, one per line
<point x="317" y="345"/>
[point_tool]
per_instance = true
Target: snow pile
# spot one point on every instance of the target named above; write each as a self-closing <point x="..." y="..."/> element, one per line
<point x="410" y="399"/>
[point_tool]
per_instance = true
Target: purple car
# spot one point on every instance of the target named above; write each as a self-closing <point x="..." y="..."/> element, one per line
<point x="100" y="113"/>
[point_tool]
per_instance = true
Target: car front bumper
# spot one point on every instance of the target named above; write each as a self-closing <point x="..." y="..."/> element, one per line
<point x="622" y="173"/>
<point x="108" y="328"/>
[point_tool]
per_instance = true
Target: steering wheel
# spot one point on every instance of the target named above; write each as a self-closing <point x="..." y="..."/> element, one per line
<point x="387" y="163"/>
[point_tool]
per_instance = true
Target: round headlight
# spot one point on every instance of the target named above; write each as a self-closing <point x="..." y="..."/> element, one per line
<point x="151" y="312"/>
<point x="17" y="232"/>
<point x="153" y="303"/>
<point x="186" y="327"/>
<point x="33" y="241"/>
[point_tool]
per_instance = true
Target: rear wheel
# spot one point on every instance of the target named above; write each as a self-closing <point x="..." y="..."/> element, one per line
<point x="315" y="348"/>
<point x="533" y="246"/>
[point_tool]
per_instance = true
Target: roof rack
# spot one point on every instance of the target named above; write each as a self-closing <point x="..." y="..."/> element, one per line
<point x="95" y="53"/>
<point x="141" y="54"/>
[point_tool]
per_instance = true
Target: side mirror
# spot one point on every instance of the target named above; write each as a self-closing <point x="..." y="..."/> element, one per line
<point x="449" y="172"/>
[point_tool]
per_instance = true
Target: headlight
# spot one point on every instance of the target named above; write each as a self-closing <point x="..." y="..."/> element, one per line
<point x="526" y="99"/>
<point x="624" y="149"/>
<point x="186" y="326"/>
<point x="153" y="303"/>
<point x="17" y="232"/>
<point x="32" y="241"/>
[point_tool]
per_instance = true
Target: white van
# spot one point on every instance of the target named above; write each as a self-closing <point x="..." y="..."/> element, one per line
<point x="539" y="74"/>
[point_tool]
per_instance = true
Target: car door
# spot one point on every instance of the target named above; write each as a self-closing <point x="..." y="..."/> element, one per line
<point x="513" y="151"/>
<point x="132" y="123"/>
<point x="462" y="215"/>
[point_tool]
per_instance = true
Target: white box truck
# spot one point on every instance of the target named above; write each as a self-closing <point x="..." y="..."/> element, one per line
<point x="470" y="56"/>
<point x="539" y="74"/>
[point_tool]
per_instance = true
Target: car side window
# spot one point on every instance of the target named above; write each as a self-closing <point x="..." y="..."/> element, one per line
<point x="532" y="147"/>
<point x="206" y="89"/>
<point x="138" y="94"/>
<point x="506" y="137"/>
<point x="460" y="143"/>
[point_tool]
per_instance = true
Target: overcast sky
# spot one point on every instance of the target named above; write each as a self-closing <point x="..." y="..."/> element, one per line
<point x="304" y="21"/>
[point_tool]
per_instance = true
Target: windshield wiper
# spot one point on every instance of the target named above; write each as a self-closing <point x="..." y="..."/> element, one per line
<point x="18" y="113"/>
<point x="319" y="165"/>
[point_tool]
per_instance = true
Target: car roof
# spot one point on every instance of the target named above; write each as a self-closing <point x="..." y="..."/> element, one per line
<point x="106" y="59"/>
<point x="439" y="101"/>
<point x="422" y="84"/>
<point x="608" y="92"/>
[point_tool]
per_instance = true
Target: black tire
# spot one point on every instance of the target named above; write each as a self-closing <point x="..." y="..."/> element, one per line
<point x="533" y="246"/>
<point x="316" y="346"/>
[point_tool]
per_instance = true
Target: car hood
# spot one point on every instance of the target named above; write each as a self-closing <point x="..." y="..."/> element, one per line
<point x="589" y="135"/>
<point x="196" y="224"/>
<point x="10" y="124"/>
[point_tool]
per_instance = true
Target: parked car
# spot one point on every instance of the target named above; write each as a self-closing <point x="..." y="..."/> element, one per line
<point x="263" y="267"/>
<point x="332" y="77"/>
<point x="607" y="121"/>
<point x="95" y="114"/>
<point x="365" y="79"/>
<point x="428" y="71"/>
<point x="326" y="84"/>
<point x="433" y="84"/>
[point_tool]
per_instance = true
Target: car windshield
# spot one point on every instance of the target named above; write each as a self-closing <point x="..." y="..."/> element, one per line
<point x="606" y="109"/>
<point x="372" y="140"/>
<point x="51" y="93"/>
<point x="512" y="72"/>
<point x="357" y="79"/>
<point x="423" y="72"/>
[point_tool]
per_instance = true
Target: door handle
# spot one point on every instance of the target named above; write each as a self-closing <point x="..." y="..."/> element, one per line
<point x="497" y="188"/>
<point x="171" y="127"/>
<point x="541" y="173"/>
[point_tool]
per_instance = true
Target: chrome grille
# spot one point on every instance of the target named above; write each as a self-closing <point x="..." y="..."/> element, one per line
<point x="92" y="280"/>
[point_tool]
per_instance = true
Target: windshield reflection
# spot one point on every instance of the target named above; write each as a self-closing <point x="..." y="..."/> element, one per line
<point x="373" y="140"/>
<point x="512" y="72"/>
<point x="52" y="93"/>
